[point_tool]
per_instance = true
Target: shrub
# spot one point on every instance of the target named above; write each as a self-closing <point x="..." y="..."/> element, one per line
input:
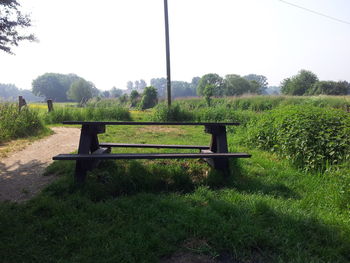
<point x="163" y="113"/>
<point x="149" y="98"/>
<point x="311" y="137"/>
<point x="17" y="124"/>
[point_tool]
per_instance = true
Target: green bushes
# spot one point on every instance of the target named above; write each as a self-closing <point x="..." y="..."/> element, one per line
<point x="163" y="113"/>
<point x="17" y="124"/>
<point x="86" y="114"/>
<point x="311" y="137"/>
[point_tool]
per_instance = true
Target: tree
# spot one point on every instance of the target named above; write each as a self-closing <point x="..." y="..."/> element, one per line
<point x="53" y="85"/>
<point x="160" y="85"/>
<point x="12" y="21"/>
<point x="81" y="91"/>
<point x="129" y="85"/>
<point x="149" y="98"/>
<point x="235" y="85"/>
<point x="116" y="93"/>
<point x="330" y="88"/>
<point x="211" y="79"/>
<point x="134" y="98"/>
<point x="208" y="93"/>
<point x="300" y="84"/>
<point x="260" y="80"/>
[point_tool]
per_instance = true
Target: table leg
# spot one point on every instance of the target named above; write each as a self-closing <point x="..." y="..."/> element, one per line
<point x="88" y="144"/>
<point x="218" y="144"/>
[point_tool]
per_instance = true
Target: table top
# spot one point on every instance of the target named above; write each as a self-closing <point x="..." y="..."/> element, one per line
<point x="148" y="123"/>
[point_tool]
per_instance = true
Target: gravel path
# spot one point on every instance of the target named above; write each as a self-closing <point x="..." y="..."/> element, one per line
<point x="21" y="173"/>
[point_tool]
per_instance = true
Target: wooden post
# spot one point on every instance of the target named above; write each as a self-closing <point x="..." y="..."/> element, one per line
<point x="21" y="102"/>
<point x="50" y="105"/>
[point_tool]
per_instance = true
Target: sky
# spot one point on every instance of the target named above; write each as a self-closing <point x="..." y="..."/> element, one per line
<point x="110" y="42"/>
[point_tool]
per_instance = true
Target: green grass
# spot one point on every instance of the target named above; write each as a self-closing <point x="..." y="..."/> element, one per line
<point x="144" y="211"/>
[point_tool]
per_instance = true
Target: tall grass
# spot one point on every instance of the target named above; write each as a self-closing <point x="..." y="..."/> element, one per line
<point x="59" y="115"/>
<point x="17" y="124"/>
<point x="264" y="103"/>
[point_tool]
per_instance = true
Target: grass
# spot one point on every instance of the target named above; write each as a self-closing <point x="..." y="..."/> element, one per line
<point x="145" y="211"/>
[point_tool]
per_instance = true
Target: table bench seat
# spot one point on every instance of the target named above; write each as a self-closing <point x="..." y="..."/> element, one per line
<point x="158" y="146"/>
<point x="116" y="156"/>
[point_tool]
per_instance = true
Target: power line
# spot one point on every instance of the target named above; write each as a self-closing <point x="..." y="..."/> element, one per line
<point x="316" y="13"/>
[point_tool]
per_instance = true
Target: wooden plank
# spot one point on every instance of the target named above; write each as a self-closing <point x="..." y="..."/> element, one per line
<point x="93" y="123"/>
<point x="160" y="146"/>
<point x="149" y="156"/>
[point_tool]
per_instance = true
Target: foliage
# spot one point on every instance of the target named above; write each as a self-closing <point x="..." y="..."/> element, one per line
<point x="134" y="98"/>
<point x="330" y="88"/>
<point x="18" y="124"/>
<point x="54" y="86"/>
<point x="10" y="92"/>
<point x="115" y="93"/>
<point x="81" y="91"/>
<point x="301" y="84"/>
<point x="112" y="113"/>
<point x="149" y="98"/>
<point x="12" y="22"/>
<point x="163" y="113"/>
<point x="313" y="138"/>
<point x="261" y="81"/>
<point x="235" y="85"/>
<point x="211" y="79"/>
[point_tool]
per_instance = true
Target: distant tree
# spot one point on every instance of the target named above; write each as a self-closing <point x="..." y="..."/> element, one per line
<point x="106" y="94"/>
<point x="81" y="91"/>
<point x="195" y="82"/>
<point x="182" y="89"/>
<point x="149" y="98"/>
<point x="330" y="88"/>
<point x="9" y="92"/>
<point x="211" y="79"/>
<point x="273" y="90"/>
<point x="134" y="98"/>
<point x="258" y="79"/>
<point x="235" y="85"/>
<point x="299" y="85"/>
<point x="116" y="93"/>
<point x="12" y="22"/>
<point x="142" y="85"/>
<point x="160" y="85"/>
<point x="130" y="85"/>
<point x="53" y="85"/>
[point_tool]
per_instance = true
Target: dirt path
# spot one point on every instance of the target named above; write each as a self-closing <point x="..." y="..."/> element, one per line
<point x="21" y="173"/>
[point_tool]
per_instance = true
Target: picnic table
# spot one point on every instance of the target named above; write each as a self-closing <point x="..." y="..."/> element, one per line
<point x="91" y="151"/>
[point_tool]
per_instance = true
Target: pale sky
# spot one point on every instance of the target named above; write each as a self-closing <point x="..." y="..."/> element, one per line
<point x="110" y="42"/>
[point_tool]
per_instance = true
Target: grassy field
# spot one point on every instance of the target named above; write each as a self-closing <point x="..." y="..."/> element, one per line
<point x="266" y="210"/>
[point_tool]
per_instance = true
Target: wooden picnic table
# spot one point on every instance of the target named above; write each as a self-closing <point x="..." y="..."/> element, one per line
<point x="91" y="151"/>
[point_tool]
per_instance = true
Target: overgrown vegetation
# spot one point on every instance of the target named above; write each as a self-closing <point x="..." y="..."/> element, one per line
<point x="311" y="137"/>
<point x="18" y="124"/>
<point x="115" y="113"/>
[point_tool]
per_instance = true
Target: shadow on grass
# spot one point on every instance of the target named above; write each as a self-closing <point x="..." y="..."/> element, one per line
<point x="223" y="225"/>
<point x="121" y="178"/>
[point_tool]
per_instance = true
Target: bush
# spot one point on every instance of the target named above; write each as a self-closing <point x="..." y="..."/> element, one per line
<point x="163" y="113"/>
<point x="17" y="124"/>
<point x="311" y="137"/>
<point x="149" y="98"/>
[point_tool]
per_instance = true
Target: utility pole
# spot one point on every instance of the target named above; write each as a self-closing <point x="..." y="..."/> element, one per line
<point x="167" y="51"/>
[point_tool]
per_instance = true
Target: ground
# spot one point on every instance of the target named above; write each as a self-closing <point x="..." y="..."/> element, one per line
<point x="21" y="172"/>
